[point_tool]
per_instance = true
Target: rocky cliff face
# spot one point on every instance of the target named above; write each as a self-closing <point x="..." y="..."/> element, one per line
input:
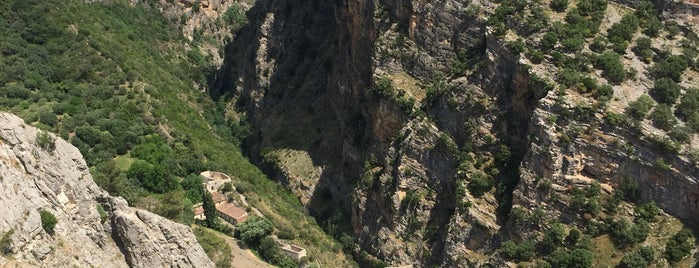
<point x="407" y="108"/>
<point x="35" y="177"/>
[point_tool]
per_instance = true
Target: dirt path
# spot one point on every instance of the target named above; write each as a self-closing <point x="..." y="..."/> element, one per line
<point x="243" y="258"/>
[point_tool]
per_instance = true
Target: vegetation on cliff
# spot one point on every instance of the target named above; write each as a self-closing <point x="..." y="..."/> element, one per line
<point x="122" y="84"/>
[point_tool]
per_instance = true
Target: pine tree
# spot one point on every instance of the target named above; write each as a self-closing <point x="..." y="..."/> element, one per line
<point x="209" y="210"/>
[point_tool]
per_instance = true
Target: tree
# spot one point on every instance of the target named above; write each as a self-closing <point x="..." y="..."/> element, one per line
<point x="610" y="63"/>
<point x="559" y="5"/>
<point x="172" y="204"/>
<point x="48" y="221"/>
<point x="269" y="250"/>
<point x="580" y="258"/>
<point x="209" y="210"/>
<point x="663" y="118"/>
<point x="152" y="177"/>
<point x="480" y="183"/>
<point x="679" y="246"/>
<point x="629" y="189"/>
<point x="553" y="237"/>
<point x="194" y="188"/>
<point x="665" y="90"/>
<point x="253" y="230"/>
<point x="672" y="67"/>
<point x="624" y="29"/>
<point x="689" y="104"/>
<point x="548" y="41"/>
<point x="640" y="107"/>
<point x="519" y="252"/>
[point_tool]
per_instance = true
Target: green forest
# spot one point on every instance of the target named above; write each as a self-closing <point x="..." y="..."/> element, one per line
<point x="123" y="85"/>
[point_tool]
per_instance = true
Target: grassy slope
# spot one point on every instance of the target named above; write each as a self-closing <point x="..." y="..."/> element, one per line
<point x="67" y="64"/>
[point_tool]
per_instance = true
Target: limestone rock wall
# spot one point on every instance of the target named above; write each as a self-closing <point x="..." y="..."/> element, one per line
<point x="34" y="178"/>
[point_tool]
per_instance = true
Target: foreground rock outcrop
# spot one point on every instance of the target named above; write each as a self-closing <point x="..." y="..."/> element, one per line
<point x="39" y="171"/>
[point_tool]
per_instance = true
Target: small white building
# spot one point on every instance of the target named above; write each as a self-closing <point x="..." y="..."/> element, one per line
<point x="294" y="252"/>
<point x="214" y="180"/>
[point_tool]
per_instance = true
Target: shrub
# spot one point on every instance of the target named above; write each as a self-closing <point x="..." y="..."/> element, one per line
<point x="480" y="183"/>
<point x="102" y="213"/>
<point x="253" y="230"/>
<point x="663" y="118"/>
<point x="672" y="67"/>
<point x="629" y="190"/>
<point x="653" y="27"/>
<point x="647" y="211"/>
<point x="610" y="63"/>
<point x="640" y="107"/>
<point x="665" y="90"/>
<point x="536" y="56"/>
<point x="215" y="247"/>
<point x="625" y="28"/>
<point x="680" y="134"/>
<point x="689" y="104"/>
<point x="598" y="44"/>
<point x="519" y="252"/>
<point x="642" y="43"/>
<point x="633" y="260"/>
<point x="6" y="242"/>
<point x="548" y="41"/>
<point x="559" y="5"/>
<point x="48" y="221"/>
<point x="46" y="141"/>
<point x="623" y="233"/>
<point x="678" y="246"/>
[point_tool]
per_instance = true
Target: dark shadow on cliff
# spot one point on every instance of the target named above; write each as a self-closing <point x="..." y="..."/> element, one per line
<point x="299" y="70"/>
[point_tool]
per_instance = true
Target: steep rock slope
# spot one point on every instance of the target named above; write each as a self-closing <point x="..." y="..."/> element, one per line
<point x="50" y="175"/>
<point x="433" y="131"/>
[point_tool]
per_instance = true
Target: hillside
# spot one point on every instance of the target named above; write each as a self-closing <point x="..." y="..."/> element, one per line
<point x="441" y="133"/>
<point x="55" y="215"/>
<point x="123" y="84"/>
<point x="479" y="133"/>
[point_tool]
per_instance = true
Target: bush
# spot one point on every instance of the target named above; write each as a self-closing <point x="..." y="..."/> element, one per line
<point x="679" y="246"/>
<point x="48" y="221"/>
<point x="253" y="230"/>
<point x="215" y="247"/>
<point x="643" y="43"/>
<point x="663" y="118"/>
<point x="598" y="44"/>
<point x="689" y="104"/>
<point x="624" y="29"/>
<point x="46" y="141"/>
<point x="629" y="190"/>
<point x="610" y="63"/>
<point x="623" y="233"/>
<point x="634" y="259"/>
<point x="640" y="107"/>
<point x="6" y="242"/>
<point x="653" y="27"/>
<point x="665" y="90"/>
<point x="536" y="56"/>
<point x="519" y="252"/>
<point x="680" y="134"/>
<point x="647" y="211"/>
<point x="559" y="5"/>
<point x="480" y="183"/>
<point x="672" y="67"/>
<point x="548" y="41"/>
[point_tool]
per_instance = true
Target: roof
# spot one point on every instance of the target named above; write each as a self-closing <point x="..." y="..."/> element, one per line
<point x="232" y="211"/>
<point x="218" y="197"/>
<point x="198" y="211"/>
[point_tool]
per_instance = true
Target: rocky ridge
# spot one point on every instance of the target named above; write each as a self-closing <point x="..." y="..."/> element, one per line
<point x="444" y="104"/>
<point x="93" y="228"/>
